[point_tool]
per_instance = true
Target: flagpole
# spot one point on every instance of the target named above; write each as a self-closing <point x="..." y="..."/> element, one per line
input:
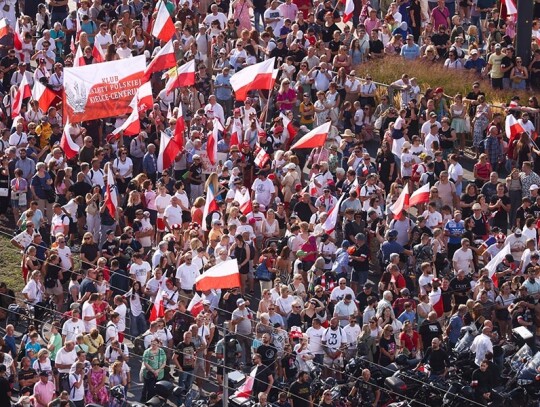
<point x="264" y="113"/>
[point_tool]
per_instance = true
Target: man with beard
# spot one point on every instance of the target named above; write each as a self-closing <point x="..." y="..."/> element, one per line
<point x="268" y="352"/>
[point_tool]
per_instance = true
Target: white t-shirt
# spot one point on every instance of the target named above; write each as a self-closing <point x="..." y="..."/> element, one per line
<point x="122" y="311"/>
<point x="432" y="218"/>
<point x="88" y="311"/>
<point x="187" y="274"/>
<point x="424" y="280"/>
<point x="72" y="329"/>
<point x="263" y="191"/>
<point x="173" y="215"/>
<point x="103" y="40"/>
<point x="455" y="171"/>
<point x="123" y="167"/>
<point x="463" y="260"/>
<point x="338" y="293"/>
<point x="76" y="394"/>
<point x="140" y="271"/>
<point x="65" y="358"/>
<point x="161" y="204"/>
<point x="65" y="257"/>
<point x="352" y="333"/>
<point x="315" y="337"/>
<point x="334" y="338"/>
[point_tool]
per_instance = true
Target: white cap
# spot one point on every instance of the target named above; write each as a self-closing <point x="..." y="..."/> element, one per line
<point x="533" y="187"/>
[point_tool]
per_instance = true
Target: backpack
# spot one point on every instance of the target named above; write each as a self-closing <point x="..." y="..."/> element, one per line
<point x="282" y="243"/>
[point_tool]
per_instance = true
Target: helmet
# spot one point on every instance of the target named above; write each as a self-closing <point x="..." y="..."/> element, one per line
<point x="164" y="389"/>
<point x="401" y="359"/>
<point x="117" y="392"/>
<point x="350" y="368"/>
<point x="330" y="382"/>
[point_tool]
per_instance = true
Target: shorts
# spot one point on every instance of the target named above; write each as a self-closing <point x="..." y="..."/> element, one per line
<point x="333" y="363"/>
<point x="56" y="290"/>
<point x="186" y="217"/>
<point x="160" y="224"/>
<point x="199" y="370"/>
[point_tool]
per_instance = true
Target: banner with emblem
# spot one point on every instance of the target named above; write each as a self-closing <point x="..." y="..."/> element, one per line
<point x="102" y="90"/>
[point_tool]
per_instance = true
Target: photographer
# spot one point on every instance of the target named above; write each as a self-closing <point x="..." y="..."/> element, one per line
<point x="228" y="350"/>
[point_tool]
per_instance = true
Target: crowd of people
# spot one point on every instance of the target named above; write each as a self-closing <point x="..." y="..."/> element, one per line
<point x="379" y="282"/>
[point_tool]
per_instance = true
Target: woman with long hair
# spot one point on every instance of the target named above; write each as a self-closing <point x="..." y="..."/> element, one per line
<point x="137" y="307"/>
<point x="134" y="203"/>
<point x="241" y="251"/>
<point x="53" y="280"/>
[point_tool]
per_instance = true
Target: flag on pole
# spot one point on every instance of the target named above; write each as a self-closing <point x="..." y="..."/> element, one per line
<point x="210" y="205"/>
<point x="163" y="28"/>
<point x="513" y="129"/>
<point x="315" y="138"/>
<point x="182" y="76"/>
<point x="43" y="95"/>
<point x="195" y="306"/>
<point x="158" y="309"/>
<point x="261" y="158"/>
<point x="494" y="262"/>
<point x="349" y="10"/>
<point x="330" y="222"/>
<point x="288" y="129"/>
<point x="401" y="203"/>
<point x="168" y="149"/>
<point x="510" y="7"/>
<point x="78" y="60"/>
<point x="421" y="195"/>
<point x="259" y="76"/>
<point x="111" y="193"/>
<point x="4" y="29"/>
<point x="18" y="40"/>
<point x="98" y="54"/>
<point x="180" y="127"/>
<point x="132" y="125"/>
<point x="22" y="93"/>
<point x="71" y="149"/>
<point x="211" y="144"/>
<point x="164" y="59"/>
<point x="242" y="196"/>
<point x="145" y="97"/>
<point x="222" y="276"/>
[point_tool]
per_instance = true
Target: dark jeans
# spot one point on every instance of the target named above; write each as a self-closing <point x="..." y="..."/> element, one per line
<point x="497" y="83"/>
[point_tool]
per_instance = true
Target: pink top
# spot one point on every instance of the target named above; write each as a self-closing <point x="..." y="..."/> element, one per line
<point x="45" y="392"/>
<point x="288" y="95"/>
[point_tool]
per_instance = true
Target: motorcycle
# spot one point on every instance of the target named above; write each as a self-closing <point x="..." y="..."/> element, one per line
<point x="529" y="379"/>
<point x="164" y="390"/>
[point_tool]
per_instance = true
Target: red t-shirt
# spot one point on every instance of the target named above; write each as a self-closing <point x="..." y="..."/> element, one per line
<point x="411" y="343"/>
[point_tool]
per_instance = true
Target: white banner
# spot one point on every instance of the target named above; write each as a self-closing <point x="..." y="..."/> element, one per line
<point x="102" y="90"/>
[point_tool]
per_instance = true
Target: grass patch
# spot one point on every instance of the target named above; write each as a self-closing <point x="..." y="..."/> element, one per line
<point x="430" y="75"/>
<point x="10" y="263"/>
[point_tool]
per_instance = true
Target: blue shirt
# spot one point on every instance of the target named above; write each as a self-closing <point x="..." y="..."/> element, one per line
<point x="223" y="93"/>
<point x="407" y="316"/>
<point x="455" y="325"/>
<point x="410" y="52"/>
<point x="456" y="230"/>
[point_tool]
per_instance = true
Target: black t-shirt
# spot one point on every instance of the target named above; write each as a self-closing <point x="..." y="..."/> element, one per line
<point x="522" y="214"/>
<point x="108" y="247"/>
<point x="440" y="39"/>
<point x="186" y="355"/>
<point x="90" y="252"/>
<point x="362" y="298"/>
<point x="327" y="33"/>
<point x="388" y="345"/>
<point x="366" y="390"/>
<point x="299" y="394"/>
<point x="119" y="282"/>
<point x="500" y="214"/>
<point x="376" y="47"/>
<point x="505" y="63"/>
<point x="87" y="285"/>
<point x="361" y="252"/>
<point x="80" y="188"/>
<point x="268" y="354"/>
<point x="5" y="390"/>
<point x="473" y="96"/>
<point x="430" y="330"/>
<point x="460" y="288"/>
<point x="438" y="359"/>
<point x="261" y="380"/>
<point x="27" y="375"/>
<point x="467" y="199"/>
<point x="303" y="211"/>
<point x="288" y="363"/>
<point x="351" y="228"/>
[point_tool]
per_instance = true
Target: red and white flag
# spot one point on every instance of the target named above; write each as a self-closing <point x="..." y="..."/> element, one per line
<point x="222" y="276"/>
<point x="349" y="10"/>
<point x="420" y="196"/>
<point x="183" y="76"/>
<point x="71" y="149"/>
<point x="255" y="77"/>
<point x="4" y="29"/>
<point x="495" y="261"/>
<point x="236" y="133"/>
<point x="132" y="125"/>
<point x="195" y="306"/>
<point x="315" y="138"/>
<point x="435" y="299"/>
<point x="210" y="205"/>
<point x="18" y="40"/>
<point x="513" y="130"/>
<point x="261" y="158"/>
<point x="402" y="202"/>
<point x="242" y="196"/>
<point x="22" y="93"/>
<point x="78" y="60"/>
<point x="510" y="7"/>
<point x="331" y="220"/>
<point x="98" y="54"/>
<point x="111" y="193"/>
<point x="158" y="309"/>
<point x="43" y="95"/>
<point x="145" y="97"/>
<point x="163" y="28"/>
<point x="180" y="127"/>
<point x="164" y="59"/>
<point x="211" y="144"/>
<point x="288" y="129"/>
<point x="168" y="149"/>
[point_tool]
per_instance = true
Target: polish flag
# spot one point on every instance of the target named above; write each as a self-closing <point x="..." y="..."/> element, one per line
<point x="43" y="95"/>
<point x="98" y="54"/>
<point x="435" y="299"/>
<point x="195" y="305"/>
<point x="132" y="125"/>
<point x="78" y="60"/>
<point x="510" y="7"/>
<point x="236" y="133"/>
<point x="244" y="199"/>
<point x="355" y="186"/>
<point x="4" y="29"/>
<point x="158" y="309"/>
<point x="261" y="158"/>
<point x="513" y="129"/>
<point x="169" y="112"/>
<point x="168" y="149"/>
<point x="145" y="97"/>
<point x="494" y="262"/>
<point x="211" y="144"/>
<point x="210" y="205"/>
<point x="255" y="77"/>
<point x="330" y="222"/>
<point x="315" y="138"/>
<point x="164" y="59"/>
<point x="163" y="28"/>
<point x="182" y="77"/>
<point x="288" y="128"/>
<point x="71" y="149"/>
<point x="402" y="202"/>
<point x="180" y="127"/>
<point x="22" y="93"/>
<point x="349" y="10"/>
<point x="421" y="195"/>
<point x="222" y="276"/>
<point x="111" y="193"/>
<point x="18" y="40"/>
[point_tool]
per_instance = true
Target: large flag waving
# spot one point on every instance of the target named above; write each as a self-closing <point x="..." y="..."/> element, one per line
<point x="243" y="197"/>
<point x="222" y="276"/>
<point x="158" y="309"/>
<point x="111" y="193"/>
<point x="255" y="77"/>
<point x="195" y="305"/>
<point x="349" y="10"/>
<point x="181" y="77"/>
<point x="180" y="127"/>
<point x="210" y="205"/>
<point x="510" y="7"/>
<point x="315" y="138"/>
<point x="4" y="29"/>
<point x="494" y="262"/>
<point x="513" y="129"/>
<point x="331" y="220"/>
<point x="421" y="195"/>
<point x="163" y="28"/>
<point x="22" y="93"/>
<point x="402" y="202"/>
<point x="43" y="95"/>
<point x="71" y="149"/>
<point x="164" y="59"/>
<point x="168" y="149"/>
<point x="132" y="125"/>
<point x="211" y="144"/>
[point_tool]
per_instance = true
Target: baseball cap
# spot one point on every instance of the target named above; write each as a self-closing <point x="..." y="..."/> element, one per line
<point x="240" y="302"/>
